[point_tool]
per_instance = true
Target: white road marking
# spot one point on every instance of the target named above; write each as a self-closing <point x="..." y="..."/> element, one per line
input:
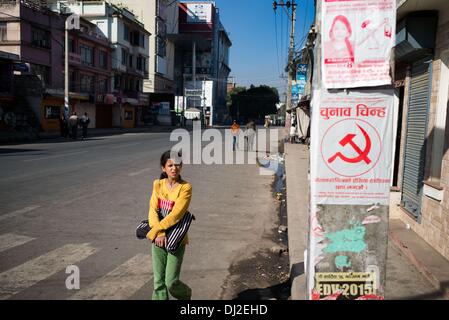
<point x="90" y="195"/>
<point x="125" y="145"/>
<point x="120" y="283"/>
<point x="18" y="212"/>
<point x="25" y="275"/>
<point x="139" y="172"/>
<point x="11" y="240"/>
<point x="55" y="156"/>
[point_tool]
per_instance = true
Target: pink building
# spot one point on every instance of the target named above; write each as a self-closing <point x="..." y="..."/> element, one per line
<point x="36" y="35"/>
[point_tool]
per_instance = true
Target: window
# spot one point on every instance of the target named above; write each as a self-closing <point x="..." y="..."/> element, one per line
<point x="52" y="112"/>
<point x="125" y="56"/>
<point x="103" y="59"/>
<point x="131" y="58"/>
<point x="72" y="81"/>
<point x="87" y="55"/>
<point x="160" y="47"/>
<point x="142" y="41"/>
<point x="42" y="72"/>
<point x="72" y="47"/>
<point x="40" y="38"/>
<point x="3" y="31"/>
<point x="103" y="86"/>
<point x="86" y="83"/>
<point x="135" y="38"/>
<point x="141" y="64"/>
<point x="125" y="32"/>
<point x="117" y="80"/>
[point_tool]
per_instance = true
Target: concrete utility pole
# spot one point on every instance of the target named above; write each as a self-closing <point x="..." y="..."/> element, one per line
<point x="347" y="245"/>
<point x="291" y="50"/>
<point x="290" y="57"/>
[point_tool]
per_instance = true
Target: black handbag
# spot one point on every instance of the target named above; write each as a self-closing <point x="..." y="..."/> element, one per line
<point x="174" y="235"/>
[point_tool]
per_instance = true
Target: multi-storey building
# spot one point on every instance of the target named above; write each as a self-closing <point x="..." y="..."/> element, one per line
<point x="130" y="46"/>
<point x="160" y="18"/>
<point x="202" y="35"/>
<point x="90" y="74"/>
<point x="36" y="34"/>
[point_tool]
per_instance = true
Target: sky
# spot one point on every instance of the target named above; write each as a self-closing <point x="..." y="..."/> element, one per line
<point x="260" y="39"/>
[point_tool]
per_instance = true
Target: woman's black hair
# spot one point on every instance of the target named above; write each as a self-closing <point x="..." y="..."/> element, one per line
<point x="165" y="157"/>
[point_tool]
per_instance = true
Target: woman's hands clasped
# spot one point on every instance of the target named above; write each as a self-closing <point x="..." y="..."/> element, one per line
<point x="161" y="241"/>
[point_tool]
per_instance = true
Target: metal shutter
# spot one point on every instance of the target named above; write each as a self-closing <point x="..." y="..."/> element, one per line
<point x="415" y="141"/>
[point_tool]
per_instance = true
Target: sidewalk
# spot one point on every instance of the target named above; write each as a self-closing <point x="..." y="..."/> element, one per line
<point x="21" y="137"/>
<point x="414" y="269"/>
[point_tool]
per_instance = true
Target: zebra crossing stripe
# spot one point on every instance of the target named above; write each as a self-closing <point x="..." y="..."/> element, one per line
<point x="11" y="240"/>
<point x="25" y="275"/>
<point x="120" y="283"/>
<point x="18" y="212"/>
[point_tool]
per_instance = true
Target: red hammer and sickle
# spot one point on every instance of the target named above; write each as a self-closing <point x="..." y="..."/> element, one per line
<point x="363" y="155"/>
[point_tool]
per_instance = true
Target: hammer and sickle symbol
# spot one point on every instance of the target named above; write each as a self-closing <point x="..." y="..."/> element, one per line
<point x="363" y="154"/>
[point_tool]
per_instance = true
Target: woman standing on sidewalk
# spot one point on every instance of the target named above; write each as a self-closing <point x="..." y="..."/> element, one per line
<point x="172" y="194"/>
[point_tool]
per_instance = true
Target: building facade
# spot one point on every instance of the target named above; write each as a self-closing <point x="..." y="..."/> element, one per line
<point x="129" y="41"/>
<point x="36" y="36"/>
<point x="421" y="163"/>
<point x="160" y="18"/>
<point x="203" y="42"/>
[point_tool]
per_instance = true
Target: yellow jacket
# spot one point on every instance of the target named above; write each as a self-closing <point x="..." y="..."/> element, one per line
<point x="181" y="195"/>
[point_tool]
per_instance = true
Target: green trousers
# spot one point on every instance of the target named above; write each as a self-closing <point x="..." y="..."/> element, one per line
<point x="166" y="271"/>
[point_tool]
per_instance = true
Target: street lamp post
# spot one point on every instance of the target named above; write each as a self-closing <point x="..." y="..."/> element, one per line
<point x="72" y="22"/>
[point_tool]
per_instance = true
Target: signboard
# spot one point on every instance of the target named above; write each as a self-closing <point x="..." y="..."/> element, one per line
<point x="22" y="67"/>
<point x="179" y="104"/>
<point x="344" y="286"/>
<point x="352" y="149"/>
<point x="357" y="37"/>
<point x="298" y="85"/>
<point x="301" y="77"/>
<point x="199" y="13"/>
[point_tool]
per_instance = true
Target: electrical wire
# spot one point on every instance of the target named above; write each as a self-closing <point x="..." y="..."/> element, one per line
<point x="277" y="46"/>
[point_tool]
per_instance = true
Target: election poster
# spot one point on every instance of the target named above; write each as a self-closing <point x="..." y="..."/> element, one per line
<point x="351" y="147"/>
<point x="344" y="286"/>
<point x="357" y="37"/>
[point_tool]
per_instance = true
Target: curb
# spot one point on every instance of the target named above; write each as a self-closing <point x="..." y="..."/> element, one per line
<point x="20" y="138"/>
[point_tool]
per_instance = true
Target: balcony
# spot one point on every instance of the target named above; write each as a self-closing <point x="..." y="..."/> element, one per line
<point x="74" y="59"/>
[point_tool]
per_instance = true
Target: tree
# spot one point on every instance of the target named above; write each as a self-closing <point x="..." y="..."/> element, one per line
<point x="254" y="103"/>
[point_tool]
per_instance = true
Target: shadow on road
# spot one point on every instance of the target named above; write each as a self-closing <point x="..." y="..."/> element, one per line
<point x="279" y="291"/>
<point x="441" y="294"/>
<point x="12" y="150"/>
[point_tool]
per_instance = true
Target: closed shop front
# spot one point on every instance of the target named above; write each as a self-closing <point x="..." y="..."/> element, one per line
<point x="415" y="143"/>
<point x="103" y="116"/>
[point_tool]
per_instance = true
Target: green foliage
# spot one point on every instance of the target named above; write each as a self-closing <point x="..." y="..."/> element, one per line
<point x="254" y="102"/>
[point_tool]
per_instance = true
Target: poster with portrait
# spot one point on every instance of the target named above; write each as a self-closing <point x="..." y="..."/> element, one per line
<point x="357" y="38"/>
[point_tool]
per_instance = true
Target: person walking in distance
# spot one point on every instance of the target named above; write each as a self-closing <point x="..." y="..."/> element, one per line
<point x="73" y="122"/>
<point x="84" y="124"/>
<point x="63" y="126"/>
<point x="235" y="130"/>
<point x="250" y="134"/>
<point x="171" y="193"/>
